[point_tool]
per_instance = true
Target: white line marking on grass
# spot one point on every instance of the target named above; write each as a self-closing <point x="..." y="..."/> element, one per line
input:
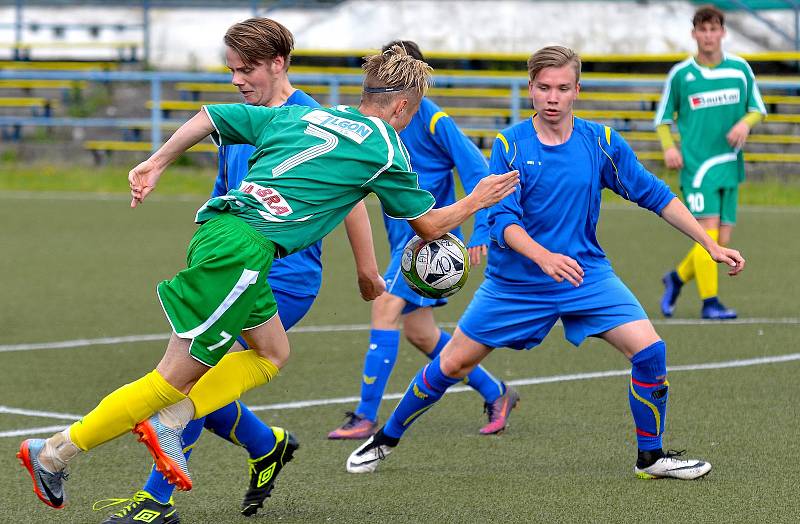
<point x="35" y="413"/>
<point x="457" y="389"/>
<point x="86" y="342"/>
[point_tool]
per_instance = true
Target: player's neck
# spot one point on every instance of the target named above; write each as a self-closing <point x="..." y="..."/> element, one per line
<point x="282" y="92"/>
<point x="712" y="59"/>
<point x="553" y="133"/>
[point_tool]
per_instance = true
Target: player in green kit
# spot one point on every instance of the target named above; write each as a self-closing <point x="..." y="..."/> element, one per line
<point x="717" y="103"/>
<point x="310" y="167"/>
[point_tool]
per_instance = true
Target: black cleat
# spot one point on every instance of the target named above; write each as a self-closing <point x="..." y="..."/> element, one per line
<point x="264" y="470"/>
<point x="142" y="507"/>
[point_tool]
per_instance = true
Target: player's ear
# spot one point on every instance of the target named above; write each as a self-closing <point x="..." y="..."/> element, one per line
<point x="278" y="64"/>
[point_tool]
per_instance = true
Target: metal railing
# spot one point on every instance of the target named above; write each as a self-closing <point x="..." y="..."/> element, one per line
<point x="517" y="84"/>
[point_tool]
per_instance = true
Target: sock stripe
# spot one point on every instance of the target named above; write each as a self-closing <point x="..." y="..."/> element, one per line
<point x="646" y="384"/>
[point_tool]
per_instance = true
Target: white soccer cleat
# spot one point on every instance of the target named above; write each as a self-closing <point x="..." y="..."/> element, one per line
<point x="367" y="456"/>
<point x="671" y="466"/>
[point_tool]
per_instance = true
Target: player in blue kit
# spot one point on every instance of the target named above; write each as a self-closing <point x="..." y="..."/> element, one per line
<point x="437" y="146"/>
<point x="545" y="263"/>
<point x="258" y="54"/>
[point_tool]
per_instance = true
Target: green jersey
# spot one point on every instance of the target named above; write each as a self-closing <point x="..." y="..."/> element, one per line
<point x="709" y="102"/>
<point x="310" y="167"/>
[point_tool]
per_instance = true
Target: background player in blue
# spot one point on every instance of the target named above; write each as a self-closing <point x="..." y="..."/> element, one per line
<point x="436" y="146"/>
<point x="545" y="263"/>
<point x="258" y="53"/>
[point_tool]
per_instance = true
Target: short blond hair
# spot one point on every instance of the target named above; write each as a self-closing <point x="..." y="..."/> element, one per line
<point x="553" y="56"/>
<point x="394" y="72"/>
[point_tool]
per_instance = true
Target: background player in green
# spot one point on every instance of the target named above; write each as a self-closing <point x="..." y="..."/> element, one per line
<point x="717" y="103"/>
<point x="311" y="166"/>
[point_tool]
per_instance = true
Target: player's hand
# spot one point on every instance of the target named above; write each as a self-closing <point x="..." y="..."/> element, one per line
<point x="142" y="180"/>
<point x="475" y="254"/>
<point x="738" y="134"/>
<point x="673" y="158"/>
<point x="731" y="257"/>
<point x="371" y="286"/>
<point x="560" y="267"/>
<point x="494" y="188"/>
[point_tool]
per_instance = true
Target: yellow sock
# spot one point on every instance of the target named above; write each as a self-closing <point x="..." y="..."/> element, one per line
<point x="685" y="269"/>
<point x="236" y="373"/>
<point x="122" y="409"/>
<point x="706" y="271"/>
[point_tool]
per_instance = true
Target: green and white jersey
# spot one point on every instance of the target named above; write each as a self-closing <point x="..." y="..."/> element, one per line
<point x="708" y="102"/>
<point x="310" y="167"/>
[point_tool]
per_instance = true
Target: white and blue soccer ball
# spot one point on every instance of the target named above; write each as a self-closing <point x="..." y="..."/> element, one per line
<point x="435" y="269"/>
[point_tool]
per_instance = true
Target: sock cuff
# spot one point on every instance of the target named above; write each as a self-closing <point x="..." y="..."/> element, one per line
<point x="434" y="378"/>
<point x="384" y="336"/>
<point x="650" y="364"/>
<point x="163" y="389"/>
<point x="713" y="233"/>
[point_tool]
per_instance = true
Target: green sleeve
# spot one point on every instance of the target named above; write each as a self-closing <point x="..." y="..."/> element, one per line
<point x="238" y="123"/>
<point x="754" y="101"/>
<point x="400" y="194"/>
<point x="669" y="104"/>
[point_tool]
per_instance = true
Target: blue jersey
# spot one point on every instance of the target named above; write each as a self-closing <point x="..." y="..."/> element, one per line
<point x="436" y="146"/>
<point x="558" y="199"/>
<point x="301" y="272"/>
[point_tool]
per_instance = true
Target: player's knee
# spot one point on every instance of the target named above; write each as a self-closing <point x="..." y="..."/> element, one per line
<point x="278" y="354"/>
<point x="421" y="340"/>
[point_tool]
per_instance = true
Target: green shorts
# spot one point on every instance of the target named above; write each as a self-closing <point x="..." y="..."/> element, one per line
<point x="223" y="290"/>
<point x="707" y="202"/>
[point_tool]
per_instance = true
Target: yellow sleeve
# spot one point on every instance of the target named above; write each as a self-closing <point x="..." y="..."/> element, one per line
<point x="665" y="136"/>
<point x="753" y="118"/>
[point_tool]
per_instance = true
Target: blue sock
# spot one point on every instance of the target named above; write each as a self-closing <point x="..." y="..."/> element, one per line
<point x="378" y="364"/>
<point x="236" y="423"/>
<point x="648" y="395"/>
<point x="156" y="484"/>
<point x="427" y="387"/>
<point x="479" y="379"/>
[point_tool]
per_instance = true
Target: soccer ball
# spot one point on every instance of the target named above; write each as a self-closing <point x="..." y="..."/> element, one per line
<point x="435" y="269"/>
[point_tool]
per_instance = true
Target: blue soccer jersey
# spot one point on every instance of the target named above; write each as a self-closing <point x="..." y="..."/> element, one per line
<point x="301" y="272"/>
<point x="437" y="146"/>
<point x="558" y="199"/>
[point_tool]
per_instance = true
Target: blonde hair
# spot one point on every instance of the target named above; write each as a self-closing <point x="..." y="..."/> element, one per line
<point x="553" y="56"/>
<point x="260" y="39"/>
<point x="394" y="72"/>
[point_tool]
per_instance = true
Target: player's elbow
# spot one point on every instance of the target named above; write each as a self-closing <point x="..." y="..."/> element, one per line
<point x="426" y="229"/>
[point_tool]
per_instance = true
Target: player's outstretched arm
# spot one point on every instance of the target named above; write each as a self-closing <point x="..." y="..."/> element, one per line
<point x="359" y="233"/>
<point x="489" y="191"/>
<point x="555" y="265"/>
<point x="676" y="214"/>
<point x="144" y="177"/>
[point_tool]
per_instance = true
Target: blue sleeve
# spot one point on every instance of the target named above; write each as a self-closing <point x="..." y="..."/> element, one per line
<point x="221" y="183"/>
<point x="470" y="163"/>
<point x="626" y="176"/>
<point x="509" y="210"/>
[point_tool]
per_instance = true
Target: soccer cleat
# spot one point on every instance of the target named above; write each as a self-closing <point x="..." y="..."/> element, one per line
<point x="672" y="288"/>
<point x="49" y="487"/>
<point x="367" y="456"/>
<point x="166" y="446"/>
<point x="671" y="466"/>
<point x="498" y="412"/>
<point x="264" y="470"/>
<point x="142" y="507"/>
<point x="714" y="310"/>
<point x="356" y="427"/>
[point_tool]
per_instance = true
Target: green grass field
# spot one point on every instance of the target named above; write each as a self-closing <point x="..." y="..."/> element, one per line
<point x="79" y="266"/>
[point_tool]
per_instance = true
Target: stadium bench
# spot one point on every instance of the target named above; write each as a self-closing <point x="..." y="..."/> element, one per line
<point x="127" y="51"/>
<point x="102" y="149"/>
<point x="57" y="65"/>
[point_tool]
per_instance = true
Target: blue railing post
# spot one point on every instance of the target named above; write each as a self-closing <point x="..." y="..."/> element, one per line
<point x="146" y="32"/>
<point x="515" y="105"/>
<point x="18" y="31"/>
<point x="155" y="113"/>
<point x="334" y="96"/>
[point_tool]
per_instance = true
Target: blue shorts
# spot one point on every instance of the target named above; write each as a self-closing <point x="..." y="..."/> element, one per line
<point x="499" y="316"/>
<point x="396" y="285"/>
<point x="291" y="309"/>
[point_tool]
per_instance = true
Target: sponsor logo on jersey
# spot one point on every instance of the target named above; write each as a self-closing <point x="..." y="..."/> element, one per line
<point x="352" y="129"/>
<point x="272" y="201"/>
<point x="720" y="97"/>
